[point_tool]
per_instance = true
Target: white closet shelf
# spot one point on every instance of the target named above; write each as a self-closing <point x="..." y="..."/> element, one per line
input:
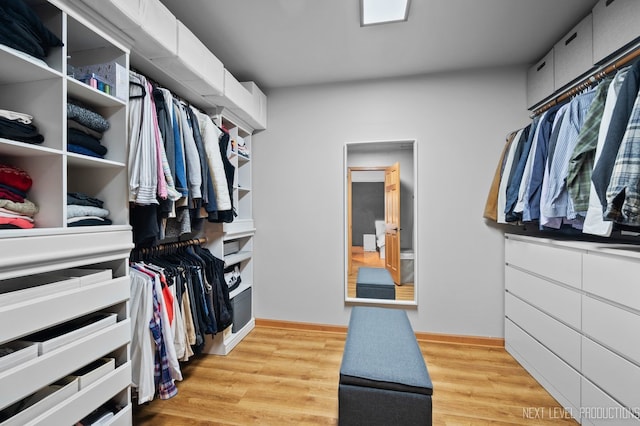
<point x="232" y="259"/>
<point x="10" y="147"/>
<point x="74" y="159"/>
<point x="19" y="69"/>
<point x="242" y="287"/>
<point x="82" y="92"/>
<point x="223" y="343"/>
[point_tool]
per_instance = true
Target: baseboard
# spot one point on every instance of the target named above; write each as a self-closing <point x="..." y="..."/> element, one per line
<point x="495" y="342"/>
<point x="425" y="337"/>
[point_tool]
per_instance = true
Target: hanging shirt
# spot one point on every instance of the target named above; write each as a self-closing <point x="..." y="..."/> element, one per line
<point x="508" y="164"/>
<point x="544" y="187"/>
<point x="515" y="179"/>
<point x="532" y="194"/>
<point x="522" y="205"/>
<point x="594" y="222"/>
<point x="581" y="161"/>
<point x="623" y="193"/>
<point x="490" y="209"/>
<point x="142" y="358"/>
<point x="558" y="204"/>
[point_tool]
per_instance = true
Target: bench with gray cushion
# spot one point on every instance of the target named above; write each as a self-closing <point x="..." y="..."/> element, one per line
<point x="383" y="376"/>
<point x="375" y="283"/>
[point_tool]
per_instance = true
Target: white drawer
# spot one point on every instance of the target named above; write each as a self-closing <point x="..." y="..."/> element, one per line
<point x="556" y="336"/>
<point x="615" y="24"/>
<point x="37" y="373"/>
<point x="573" y="54"/>
<point x="614" y="327"/>
<point x="613" y="374"/>
<point x="612" y="278"/>
<point x="540" y="82"/>
<point x="560" y="302"/>
<point x="85" y="401"/>
<point x="42" y="312"/>
<point x="559" y="264"/>
<point x="599" y="409"/>
<point x="558" y="378"/>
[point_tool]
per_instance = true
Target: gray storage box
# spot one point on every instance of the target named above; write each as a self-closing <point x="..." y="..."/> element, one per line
<point x="241" y="310"/>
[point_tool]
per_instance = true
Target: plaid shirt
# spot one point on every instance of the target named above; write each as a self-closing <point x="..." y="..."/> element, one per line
<point x="582" y="159"/>
<point x="623" y="193"/>
<point x="164" y="381"/>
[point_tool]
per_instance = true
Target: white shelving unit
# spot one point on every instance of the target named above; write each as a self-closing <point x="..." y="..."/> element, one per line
<point x="241" y="232"/>
<point x="51" y="248"/>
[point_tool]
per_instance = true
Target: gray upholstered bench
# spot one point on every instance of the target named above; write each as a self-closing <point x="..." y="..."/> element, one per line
<point x="375" y="283"/>
<point x="383" y="377"/>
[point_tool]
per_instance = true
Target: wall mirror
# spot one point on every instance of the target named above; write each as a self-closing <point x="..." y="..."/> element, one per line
<point x="380" y="222"/>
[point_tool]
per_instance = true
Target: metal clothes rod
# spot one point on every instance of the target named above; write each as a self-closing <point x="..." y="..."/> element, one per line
<point x="166" y="248"/>
<point x="590" y="81"/>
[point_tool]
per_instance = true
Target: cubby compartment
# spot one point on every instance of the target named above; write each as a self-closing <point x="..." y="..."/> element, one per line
<point x="46" y="111"/>
<point x="106" y="184"/>
<point x="45" y="170"/>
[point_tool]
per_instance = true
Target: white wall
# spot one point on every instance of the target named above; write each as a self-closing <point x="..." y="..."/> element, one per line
<point x="460" y="122"/>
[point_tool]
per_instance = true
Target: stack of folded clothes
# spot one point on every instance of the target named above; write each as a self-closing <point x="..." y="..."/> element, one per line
<point x="18" y="126"/>
<point x="84" y="130"/>
<point x="16" y="211"/>
<point x="21" y="29"/>
<point x="83" y="210"/>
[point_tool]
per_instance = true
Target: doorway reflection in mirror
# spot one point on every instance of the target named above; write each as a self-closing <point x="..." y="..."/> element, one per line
<point x="380" y="220"/>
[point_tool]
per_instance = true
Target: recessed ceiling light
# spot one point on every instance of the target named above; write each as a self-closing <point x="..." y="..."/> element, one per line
<point x="383" y="11"/>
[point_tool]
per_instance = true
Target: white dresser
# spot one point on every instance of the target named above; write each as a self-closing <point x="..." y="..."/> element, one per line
<point x="572" y="317"/>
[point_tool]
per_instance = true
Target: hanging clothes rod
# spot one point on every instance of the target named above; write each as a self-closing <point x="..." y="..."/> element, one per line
<point x="166" y="248"/>
<point x="590" y="81"/>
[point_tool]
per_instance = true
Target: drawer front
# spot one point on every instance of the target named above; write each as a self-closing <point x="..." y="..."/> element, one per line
<point x="564" y="381"/>
<point x="540" y="83"/>
<point x="599" y="409"/>
<point x="612" y="326"/>
<point x="613" y="374"/>
<point x="615" y="24"/>
<point x="560" y="302"/>
<point x="556" y="336"/>
<point x="558" y="264"/>
<point x="573" y="54"/>
<point x="613" y="278"/>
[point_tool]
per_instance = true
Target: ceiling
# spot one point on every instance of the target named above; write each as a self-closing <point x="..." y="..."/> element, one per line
<point x="280" y="43"/>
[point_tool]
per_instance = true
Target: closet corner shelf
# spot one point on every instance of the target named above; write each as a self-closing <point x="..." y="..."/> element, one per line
<point x="225" y="341"/>
<point x="232" y="259"/>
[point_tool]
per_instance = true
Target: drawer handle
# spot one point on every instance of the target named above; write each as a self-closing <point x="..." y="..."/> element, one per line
<point x="570" y="39"/>
<point x="608" y="2"/>
<point x="541" y="66"/>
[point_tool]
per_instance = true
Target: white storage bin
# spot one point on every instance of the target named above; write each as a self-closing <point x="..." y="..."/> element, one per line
<point x="21" y="353"/>
<point x="615" y="25"/>
<point x="259" y="105"/>
<point x="149" y="23"/>
<point x="573" y="54"/>
<point x="39" y="402"/>
<point x="194" y="65"/>
<point x="540" y="80"/>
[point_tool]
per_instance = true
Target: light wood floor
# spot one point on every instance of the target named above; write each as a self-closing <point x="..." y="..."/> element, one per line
<point x="359" y="258"/>
<point x="278" y="376"/>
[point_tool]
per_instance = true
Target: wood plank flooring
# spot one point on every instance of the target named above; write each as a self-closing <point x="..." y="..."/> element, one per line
<point x="282" y="376"/>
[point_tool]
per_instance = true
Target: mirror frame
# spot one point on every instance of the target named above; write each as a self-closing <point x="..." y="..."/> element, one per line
<point x="355" y="300"/>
